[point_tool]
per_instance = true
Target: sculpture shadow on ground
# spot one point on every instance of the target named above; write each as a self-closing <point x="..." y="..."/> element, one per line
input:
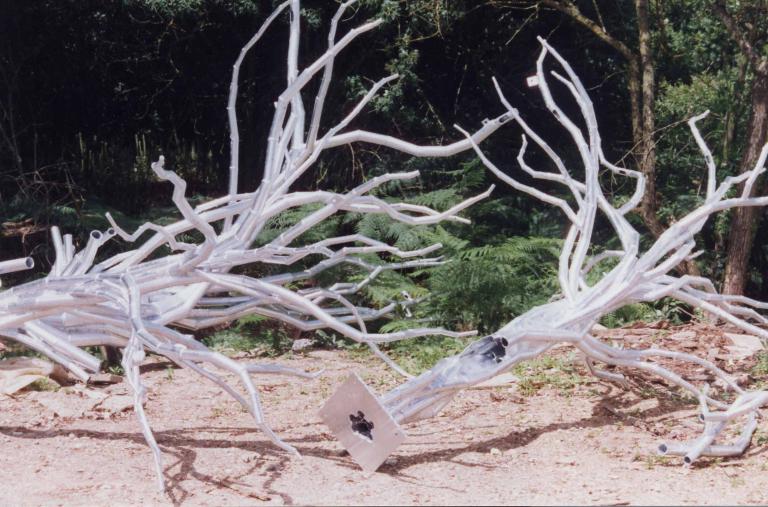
<point x="269" y="462"/>
<point x="183" y="448"/>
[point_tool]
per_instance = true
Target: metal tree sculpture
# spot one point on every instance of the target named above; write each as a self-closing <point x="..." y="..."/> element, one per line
<point x="136" y="300"/>
<point x="636" y="277"/>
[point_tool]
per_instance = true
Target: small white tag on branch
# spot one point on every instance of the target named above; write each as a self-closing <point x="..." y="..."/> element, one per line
<point x="532" y="81"/>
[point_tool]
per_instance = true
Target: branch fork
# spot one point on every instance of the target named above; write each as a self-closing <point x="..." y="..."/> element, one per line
<point x="638" y="276"/>
<point x="141" y="299"/>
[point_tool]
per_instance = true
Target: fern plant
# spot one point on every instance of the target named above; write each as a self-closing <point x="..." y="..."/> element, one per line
<point x="484" y="287"/>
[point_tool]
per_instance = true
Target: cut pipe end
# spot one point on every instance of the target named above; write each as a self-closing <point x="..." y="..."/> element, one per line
<point x="20" y="264"/>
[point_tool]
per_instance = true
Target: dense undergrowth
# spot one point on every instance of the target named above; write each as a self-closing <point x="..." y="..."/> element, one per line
<point x="92" y="106"/>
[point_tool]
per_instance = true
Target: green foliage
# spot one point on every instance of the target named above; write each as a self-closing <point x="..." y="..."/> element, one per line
<point x="417" y="356"/>
<point x="148" y="91"/>
<point x="484" y="287"/>
<point x="177" y="7"/>
<point x="691" y="38"/>
<point x="682" y="171"/>
<point x="251" y="333"/>
<point x="43" y="384"/>
<point x="761" y="367"/>
<point x="116" y="370"/>
<point x="699" y="67"/>
<point x="291" y="217"/>
<point x="630" y="313"/>
<point x="664" y="309"/>
<point x="331" y="340"/>
<point x="548" y="370"/>
<point x="12" y="349"/>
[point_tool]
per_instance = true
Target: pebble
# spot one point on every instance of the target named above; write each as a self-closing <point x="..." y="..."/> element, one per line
<point x="496" y="396"/>
<point x="301" y="344"/>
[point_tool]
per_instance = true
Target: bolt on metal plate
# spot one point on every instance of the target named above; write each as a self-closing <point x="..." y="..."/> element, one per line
<point x="362" y="424"/>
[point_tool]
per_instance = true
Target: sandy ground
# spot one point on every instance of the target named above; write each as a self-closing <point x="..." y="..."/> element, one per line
<point x="594" y="444"/>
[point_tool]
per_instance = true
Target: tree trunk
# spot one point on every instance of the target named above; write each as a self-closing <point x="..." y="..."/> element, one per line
<point x="647" y="148"/>
<point x="112" y="356"/>
<point x="744" y="220"/>
<point x="734" y="109"/>
<point x="642" y="94"/>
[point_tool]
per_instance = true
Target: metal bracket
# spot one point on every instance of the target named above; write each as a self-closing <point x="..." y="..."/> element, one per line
<point x="362" y="425"/>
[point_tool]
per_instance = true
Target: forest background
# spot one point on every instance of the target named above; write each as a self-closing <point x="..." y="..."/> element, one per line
<point x="91" y="91"/>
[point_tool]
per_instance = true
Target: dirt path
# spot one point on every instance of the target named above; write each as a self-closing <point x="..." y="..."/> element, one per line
<point x="590" y="445"/>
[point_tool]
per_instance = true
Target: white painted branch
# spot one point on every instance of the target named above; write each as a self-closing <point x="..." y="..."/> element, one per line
<point x="14" y="265"/>
<point x="636" y="277"/>
<point x="136" y="300"/>
<point x="234" y="133"/>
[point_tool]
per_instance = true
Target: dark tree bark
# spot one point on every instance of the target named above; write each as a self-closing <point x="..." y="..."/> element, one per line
<point x="642" y="96"/>
<point x="744" y="221"/>
<point x="646" y="145"/>
<point x="741" y="236"/>
<point x="641" y="85"/>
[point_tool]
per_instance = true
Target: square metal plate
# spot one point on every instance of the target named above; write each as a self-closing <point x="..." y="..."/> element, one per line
<point x="361" y="424"/>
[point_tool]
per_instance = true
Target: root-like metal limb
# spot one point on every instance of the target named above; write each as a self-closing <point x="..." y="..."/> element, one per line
<point x="138" y="299"/>
<point x="636" y="277"/>
<point x="133" y="355"/>
<point x="618" y="378"/>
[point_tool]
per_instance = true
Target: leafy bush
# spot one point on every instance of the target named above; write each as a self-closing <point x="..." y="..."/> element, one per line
<point x="251" y="333"/>
<point x="485" y="287"/>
